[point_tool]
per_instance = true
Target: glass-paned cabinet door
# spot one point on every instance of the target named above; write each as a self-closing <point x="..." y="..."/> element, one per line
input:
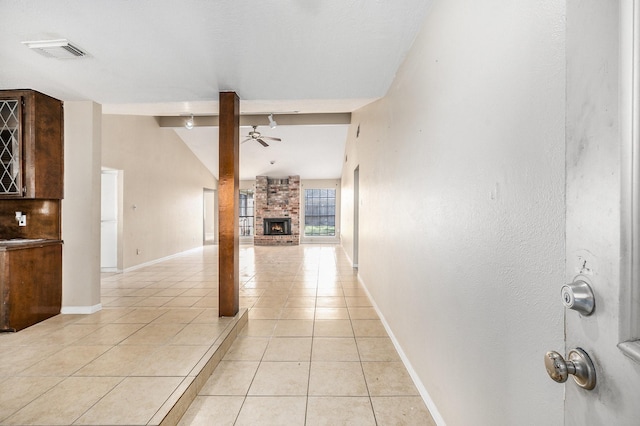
<point x="10" y="152"/>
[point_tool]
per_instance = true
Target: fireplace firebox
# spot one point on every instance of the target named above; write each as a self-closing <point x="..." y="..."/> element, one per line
<point x="277" y="226"/>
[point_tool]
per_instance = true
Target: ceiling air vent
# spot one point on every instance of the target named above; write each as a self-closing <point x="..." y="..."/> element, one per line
<point x="60" y="49"/>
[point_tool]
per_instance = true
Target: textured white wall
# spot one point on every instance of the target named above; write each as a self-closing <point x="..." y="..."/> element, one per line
<point x="462" y="208"/>
<point x="163" y="179"/>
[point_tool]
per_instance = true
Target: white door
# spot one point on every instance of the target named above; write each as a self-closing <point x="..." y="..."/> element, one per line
<point x="356" y="215"/>
<point x="209" y="218"/>
<point x="109" y="221"/>
<point x="601" y="122"/>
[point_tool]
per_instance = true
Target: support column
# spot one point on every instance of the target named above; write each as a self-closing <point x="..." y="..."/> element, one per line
<point x="81" y="207"/>
<point x="228" y="196"/>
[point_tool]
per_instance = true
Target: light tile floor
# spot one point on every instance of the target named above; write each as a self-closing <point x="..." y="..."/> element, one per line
<point x="313" y="351"/>
<point x="158" y="338"/>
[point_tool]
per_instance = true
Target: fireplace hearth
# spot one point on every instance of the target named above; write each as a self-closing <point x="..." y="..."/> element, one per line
<point x="277" y="226"/>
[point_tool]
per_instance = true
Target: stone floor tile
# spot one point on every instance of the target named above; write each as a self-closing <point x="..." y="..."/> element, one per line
<point x="329" y="411"/>
<point x="401" y="410"/>
<point x="272" y="411"/>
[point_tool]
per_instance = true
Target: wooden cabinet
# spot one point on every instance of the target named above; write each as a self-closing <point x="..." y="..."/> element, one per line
<point x="31" y="145"/>
<point x="31" y="182"/>
<point x="30" y="283"/>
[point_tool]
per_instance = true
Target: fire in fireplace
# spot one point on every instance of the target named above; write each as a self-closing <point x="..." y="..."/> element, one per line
<point x="277" y="226"/>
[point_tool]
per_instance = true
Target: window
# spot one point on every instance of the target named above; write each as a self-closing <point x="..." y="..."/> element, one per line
<point x="246" y="214"/>
<point x="319" y="212"/>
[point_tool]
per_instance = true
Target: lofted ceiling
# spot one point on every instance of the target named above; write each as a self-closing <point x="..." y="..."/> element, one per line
<point x="172" y="58"/>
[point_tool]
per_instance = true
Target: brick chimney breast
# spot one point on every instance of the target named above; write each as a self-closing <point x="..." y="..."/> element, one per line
<point x="277" y="198"/>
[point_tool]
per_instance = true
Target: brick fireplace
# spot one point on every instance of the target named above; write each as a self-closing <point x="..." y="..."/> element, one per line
<point x="277" y="209"/>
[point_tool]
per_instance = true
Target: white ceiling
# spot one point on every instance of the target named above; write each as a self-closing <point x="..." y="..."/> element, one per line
<point x="168" y="57"/>
<point x="313" y="152"/>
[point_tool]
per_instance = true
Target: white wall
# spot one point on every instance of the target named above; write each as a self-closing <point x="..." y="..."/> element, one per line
<point x="163" y="185"/>
<point x="81" y="208"/>
<point x="465" y="156"/>
<point x="210" y="216"/>
<point x="248" y="185"/>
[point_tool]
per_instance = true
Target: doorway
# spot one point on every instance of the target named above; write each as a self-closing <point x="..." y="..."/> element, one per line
<point x="356" y="214"/>
<point x="209" y="236"/>
<point x="109" y="221"/>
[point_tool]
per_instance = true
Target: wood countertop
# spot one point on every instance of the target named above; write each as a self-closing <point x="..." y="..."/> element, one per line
<point x="23" y="243"/>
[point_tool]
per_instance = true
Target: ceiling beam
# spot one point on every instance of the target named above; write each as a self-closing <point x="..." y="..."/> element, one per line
<point x="260" y="120"/>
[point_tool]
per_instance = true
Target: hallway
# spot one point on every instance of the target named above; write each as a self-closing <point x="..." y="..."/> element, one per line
<point x="313" y="351"/>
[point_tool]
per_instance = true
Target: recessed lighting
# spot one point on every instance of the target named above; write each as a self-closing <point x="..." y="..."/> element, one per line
<point x="59" y="49"/>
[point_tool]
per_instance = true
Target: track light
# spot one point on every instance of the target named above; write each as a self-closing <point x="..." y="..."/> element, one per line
<point x="189" y="123"/>
<point x="272" y="122"/>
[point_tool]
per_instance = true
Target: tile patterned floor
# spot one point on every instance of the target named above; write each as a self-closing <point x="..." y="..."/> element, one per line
<point x="158" y="338"/>
<point x="313" y="352"/>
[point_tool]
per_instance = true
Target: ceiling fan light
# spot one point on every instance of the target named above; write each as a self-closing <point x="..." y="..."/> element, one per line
<point x="272" y="122"/>
<point x="189" y="123"/>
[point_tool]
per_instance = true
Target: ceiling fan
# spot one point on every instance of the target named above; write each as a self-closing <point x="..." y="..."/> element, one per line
<point x="257" y="136"/>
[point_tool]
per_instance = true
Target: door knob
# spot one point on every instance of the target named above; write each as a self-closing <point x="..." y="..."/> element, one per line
<point x="579" y="297"/>
<point x="578" y="364"/>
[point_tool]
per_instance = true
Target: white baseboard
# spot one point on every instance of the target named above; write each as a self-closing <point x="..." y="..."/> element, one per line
<point x="319" y="240"/>
<point x="162" y="259"/>
<point x="437" y="417"/>
<point x="353" y="265"/>
<point x="81" y="310"/>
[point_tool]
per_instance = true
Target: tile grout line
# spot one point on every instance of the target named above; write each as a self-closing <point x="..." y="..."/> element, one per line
<point x="313" y="337"/>
<point x="195" y="385"/>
